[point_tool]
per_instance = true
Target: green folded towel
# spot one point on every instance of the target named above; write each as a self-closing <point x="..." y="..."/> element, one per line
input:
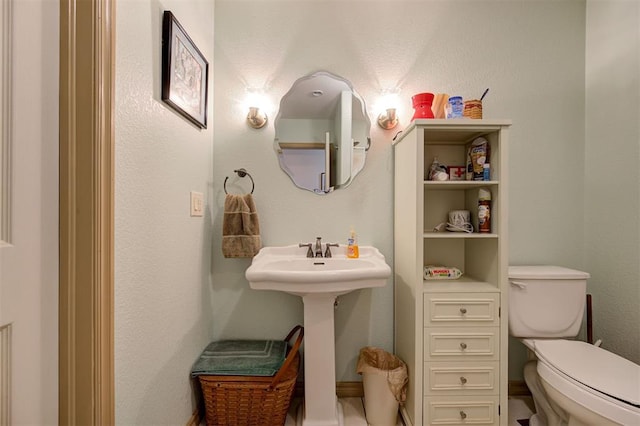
<point x="241" y="358"/>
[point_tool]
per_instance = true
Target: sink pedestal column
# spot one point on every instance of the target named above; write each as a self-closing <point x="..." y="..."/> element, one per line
<point x="320" y="400"/>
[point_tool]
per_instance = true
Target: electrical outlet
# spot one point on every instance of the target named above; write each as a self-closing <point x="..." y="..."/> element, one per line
<point x="197" y="203"/>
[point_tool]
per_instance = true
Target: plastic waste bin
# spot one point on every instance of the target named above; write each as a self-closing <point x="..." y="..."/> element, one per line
<point x="384" y="378"/>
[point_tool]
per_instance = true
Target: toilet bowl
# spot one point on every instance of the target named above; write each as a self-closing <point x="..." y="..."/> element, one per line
<point x="572" y="382"/>
<point x="590" y="385"/>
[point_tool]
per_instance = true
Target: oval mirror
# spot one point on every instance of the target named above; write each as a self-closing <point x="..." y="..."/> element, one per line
<point x="322" y="133"/>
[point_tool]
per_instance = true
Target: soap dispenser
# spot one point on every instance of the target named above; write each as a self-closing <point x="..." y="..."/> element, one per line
<point x="352" y="245"/>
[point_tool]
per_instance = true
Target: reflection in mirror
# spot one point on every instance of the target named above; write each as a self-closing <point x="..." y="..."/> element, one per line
<point x="322" y="133"/>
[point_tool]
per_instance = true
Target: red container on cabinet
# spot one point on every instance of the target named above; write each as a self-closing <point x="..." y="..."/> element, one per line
<point x="422" y="105"/>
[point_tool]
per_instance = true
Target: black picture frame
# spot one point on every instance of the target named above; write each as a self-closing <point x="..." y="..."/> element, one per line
<point x="185" y="72"/>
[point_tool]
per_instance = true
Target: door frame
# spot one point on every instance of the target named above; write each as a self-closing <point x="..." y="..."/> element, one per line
<point x="86" y="318"/>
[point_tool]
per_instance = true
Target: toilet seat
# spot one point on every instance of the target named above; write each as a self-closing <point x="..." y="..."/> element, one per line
<point x="594" y="367"/>
<point x="599" y="380"/>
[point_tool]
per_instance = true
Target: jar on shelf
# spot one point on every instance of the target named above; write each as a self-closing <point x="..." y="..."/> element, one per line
<point x="455" y="107"/>
<point x="473" y="108"/>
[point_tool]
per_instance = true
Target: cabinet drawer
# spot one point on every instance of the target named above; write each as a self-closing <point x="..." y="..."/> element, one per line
<point x="442" y="344"/>
<point x="460" y="411"/>
<point x="480" y="309"/>
<point x="463" y="378"/>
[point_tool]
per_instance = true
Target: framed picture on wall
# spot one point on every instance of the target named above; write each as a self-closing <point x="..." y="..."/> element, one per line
<point x="184" y="72"/>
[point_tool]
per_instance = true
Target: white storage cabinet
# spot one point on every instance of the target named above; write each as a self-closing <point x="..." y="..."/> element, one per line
<point x="452" y="334"/>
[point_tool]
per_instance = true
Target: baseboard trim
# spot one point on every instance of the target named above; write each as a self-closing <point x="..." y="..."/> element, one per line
<point x="349" y="390"/>
<point x="343" y="390"/>
<point x="518" y="388"/>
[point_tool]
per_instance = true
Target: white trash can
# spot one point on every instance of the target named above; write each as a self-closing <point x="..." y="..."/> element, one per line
<point x="384" y="379"/>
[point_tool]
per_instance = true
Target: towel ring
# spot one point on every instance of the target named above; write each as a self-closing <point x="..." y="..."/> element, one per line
<point x="242" y="173"/>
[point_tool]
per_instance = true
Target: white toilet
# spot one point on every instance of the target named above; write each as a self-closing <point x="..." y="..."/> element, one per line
<point x="572" y="382"/>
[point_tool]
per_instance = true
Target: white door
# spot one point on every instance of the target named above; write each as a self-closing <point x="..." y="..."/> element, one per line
<point x="29" y="253"/>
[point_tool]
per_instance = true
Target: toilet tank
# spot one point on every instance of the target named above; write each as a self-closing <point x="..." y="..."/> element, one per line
<point x="546" y="301"/>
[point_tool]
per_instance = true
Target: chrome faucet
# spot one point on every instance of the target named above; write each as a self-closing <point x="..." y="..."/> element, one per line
<point x="327" y="252"/>
<point x="317" y="250"/>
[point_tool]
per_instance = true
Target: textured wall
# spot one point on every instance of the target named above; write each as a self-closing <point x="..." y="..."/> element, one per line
<point x="612" y="202"/>
<point x="162" y="255"/>
<point x="531" y="55"/>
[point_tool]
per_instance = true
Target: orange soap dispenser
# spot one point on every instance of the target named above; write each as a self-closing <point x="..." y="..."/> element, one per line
<point x="352" y="245"/>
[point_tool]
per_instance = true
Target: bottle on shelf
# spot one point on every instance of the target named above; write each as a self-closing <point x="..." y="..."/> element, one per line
<point x="486" y="168"/>
<point x="484" y="211"/>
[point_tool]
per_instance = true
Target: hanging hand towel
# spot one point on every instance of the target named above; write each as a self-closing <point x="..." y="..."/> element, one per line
<point x="240" y="227"/>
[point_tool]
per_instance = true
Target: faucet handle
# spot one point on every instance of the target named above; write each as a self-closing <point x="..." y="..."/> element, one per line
<point x="327" y="252"/>
<point x="308" y="246"/>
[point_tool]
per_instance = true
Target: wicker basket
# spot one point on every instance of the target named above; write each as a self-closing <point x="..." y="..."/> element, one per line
<point x="253" y="400"/>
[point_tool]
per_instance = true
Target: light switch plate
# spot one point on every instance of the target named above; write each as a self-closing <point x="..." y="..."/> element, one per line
<point x="197" y="203"/>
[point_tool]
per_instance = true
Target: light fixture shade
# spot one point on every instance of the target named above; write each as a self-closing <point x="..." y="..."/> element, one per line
<point x="256" y="118"/>
<point x="388" y="119"/>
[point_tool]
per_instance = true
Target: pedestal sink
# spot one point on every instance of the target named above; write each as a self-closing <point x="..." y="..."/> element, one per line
<point x="318" y="281"/>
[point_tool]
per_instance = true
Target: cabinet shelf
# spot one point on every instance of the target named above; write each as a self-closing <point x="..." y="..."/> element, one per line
<point x="457" y="235"/>
<point x="458" y="184"/>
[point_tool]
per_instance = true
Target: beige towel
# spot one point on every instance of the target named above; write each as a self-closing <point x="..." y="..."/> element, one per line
<point x="240" y="227"/>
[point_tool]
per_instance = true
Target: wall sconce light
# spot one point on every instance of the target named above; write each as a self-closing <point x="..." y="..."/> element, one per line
<point x="256" y="117"/>
<point x="388" y="119"/>
<point x="388" y="107"/>
<point x="258" y="105"/>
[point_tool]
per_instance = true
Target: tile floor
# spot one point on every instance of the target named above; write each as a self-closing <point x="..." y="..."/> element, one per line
<point x="520" y="408"/>
<point x="353" y="412"/>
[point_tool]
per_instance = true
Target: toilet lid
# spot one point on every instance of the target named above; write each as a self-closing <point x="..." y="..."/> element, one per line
<point x="592" y="366"/>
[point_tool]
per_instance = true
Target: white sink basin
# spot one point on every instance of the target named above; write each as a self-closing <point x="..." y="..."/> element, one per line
<point x="288" y="269"/>
<point x="318" y="281"/>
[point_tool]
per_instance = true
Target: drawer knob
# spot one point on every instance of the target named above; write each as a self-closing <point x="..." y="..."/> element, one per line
<point x="463" y="311"/>
<point x="463" y="345"/>
<point x="463" y="415"/>
<point x="463" y="380"/>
